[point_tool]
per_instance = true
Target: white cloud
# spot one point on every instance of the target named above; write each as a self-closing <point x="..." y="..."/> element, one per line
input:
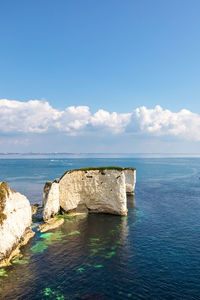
<point x="162" y="122"/>
<point x="73" y="119"/>
<point x="37" y="116"/>
<point x="116" y="123"/>
<point x="32" y="116"/>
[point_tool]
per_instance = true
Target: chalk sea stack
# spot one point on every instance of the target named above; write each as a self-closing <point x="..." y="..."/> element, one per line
<point x="15" y="222"/>
<point x="100" y="190"/>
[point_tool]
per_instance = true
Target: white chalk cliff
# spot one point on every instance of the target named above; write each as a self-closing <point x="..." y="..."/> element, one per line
<point x="50" y="200"/>
<point x="97" y="189"/>
<point x="130" y="179"/>
<point x="15" y="221"/>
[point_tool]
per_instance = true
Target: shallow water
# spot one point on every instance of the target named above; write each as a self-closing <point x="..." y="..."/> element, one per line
<point x="154" y="253"/>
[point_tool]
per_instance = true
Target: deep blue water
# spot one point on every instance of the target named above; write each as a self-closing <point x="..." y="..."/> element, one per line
<point x="153" y="253"/>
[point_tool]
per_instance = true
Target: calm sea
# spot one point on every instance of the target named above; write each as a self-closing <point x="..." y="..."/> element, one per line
<point x="153" y="253"/>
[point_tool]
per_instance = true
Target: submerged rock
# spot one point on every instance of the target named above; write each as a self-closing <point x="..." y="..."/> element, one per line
<point x="101" y="190"/>
<point x="15" y="222"/>
<point x="51" y="224"/>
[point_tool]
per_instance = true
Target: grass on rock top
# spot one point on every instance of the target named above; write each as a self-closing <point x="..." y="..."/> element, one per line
<point x="97" y="169"/>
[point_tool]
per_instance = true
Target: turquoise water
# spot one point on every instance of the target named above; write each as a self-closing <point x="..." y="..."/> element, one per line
<point x="154" y="253"/>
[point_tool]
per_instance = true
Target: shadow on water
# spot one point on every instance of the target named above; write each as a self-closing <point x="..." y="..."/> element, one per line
<point x="153" y="253"/>
<point x="74" y="261"/>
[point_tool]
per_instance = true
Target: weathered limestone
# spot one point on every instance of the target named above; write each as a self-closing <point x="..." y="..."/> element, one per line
<point x="100" y="191"/>
<point x="51" y="200"/>
<point x="92" y="189"/>
<point x="34" y="209"/>
<point x="51" y="224"/>
<point x="15" y="221"/>
<point x="130" y="179"/>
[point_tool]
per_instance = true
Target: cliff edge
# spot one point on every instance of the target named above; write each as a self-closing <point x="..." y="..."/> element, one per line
<point x="15" y="222"/>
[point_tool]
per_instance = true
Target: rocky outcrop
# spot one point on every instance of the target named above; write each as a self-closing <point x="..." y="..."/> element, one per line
<point x="94" y="189"/>
<point x="15" y="221"/>
<point x="51" y="200"/>
<point x="51" y="224"/>
<point x="130" y="179"/>
<point x="100" y="191"/>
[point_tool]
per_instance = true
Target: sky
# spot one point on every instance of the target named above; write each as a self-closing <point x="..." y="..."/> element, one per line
<point x="100" y="76"/>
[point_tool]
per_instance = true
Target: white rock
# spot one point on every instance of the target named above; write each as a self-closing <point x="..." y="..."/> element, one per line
<point x="100" y="190"/>
<point x="51" y="200"/>
<point x="96" y="190"/>
<point x="15" y="221"/>
<point x="130" y="179"/>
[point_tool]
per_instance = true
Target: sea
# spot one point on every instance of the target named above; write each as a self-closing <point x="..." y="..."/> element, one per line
<point x="153" y="253"/>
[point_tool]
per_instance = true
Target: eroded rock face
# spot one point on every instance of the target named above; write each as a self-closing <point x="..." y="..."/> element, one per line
<point x="15" y="221"/>
<point x="94" y="190"/>
<point x="130" y="179"/>
<point x="100" y="191"/>
<point x="51" y="200"/>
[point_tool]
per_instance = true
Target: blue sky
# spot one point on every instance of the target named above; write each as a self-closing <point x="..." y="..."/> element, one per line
<point x="111" y="55"/>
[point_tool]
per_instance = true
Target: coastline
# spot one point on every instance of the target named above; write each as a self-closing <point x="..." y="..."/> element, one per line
<point x="57" y="155"/>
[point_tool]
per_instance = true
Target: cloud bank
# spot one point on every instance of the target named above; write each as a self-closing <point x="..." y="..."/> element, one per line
<point x="37" y="116"/>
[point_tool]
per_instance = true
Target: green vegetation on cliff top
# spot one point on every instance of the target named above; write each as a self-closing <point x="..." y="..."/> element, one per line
<point x="4" y="191"/>
<point x="97" y="169"/>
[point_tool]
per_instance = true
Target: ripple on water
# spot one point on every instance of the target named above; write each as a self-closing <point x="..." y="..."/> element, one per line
<point x="153" y="253"/>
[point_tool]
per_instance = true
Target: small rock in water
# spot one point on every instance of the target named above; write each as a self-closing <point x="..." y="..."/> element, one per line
<point x="51" y="224"/>
<point x="74" y="232"/>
